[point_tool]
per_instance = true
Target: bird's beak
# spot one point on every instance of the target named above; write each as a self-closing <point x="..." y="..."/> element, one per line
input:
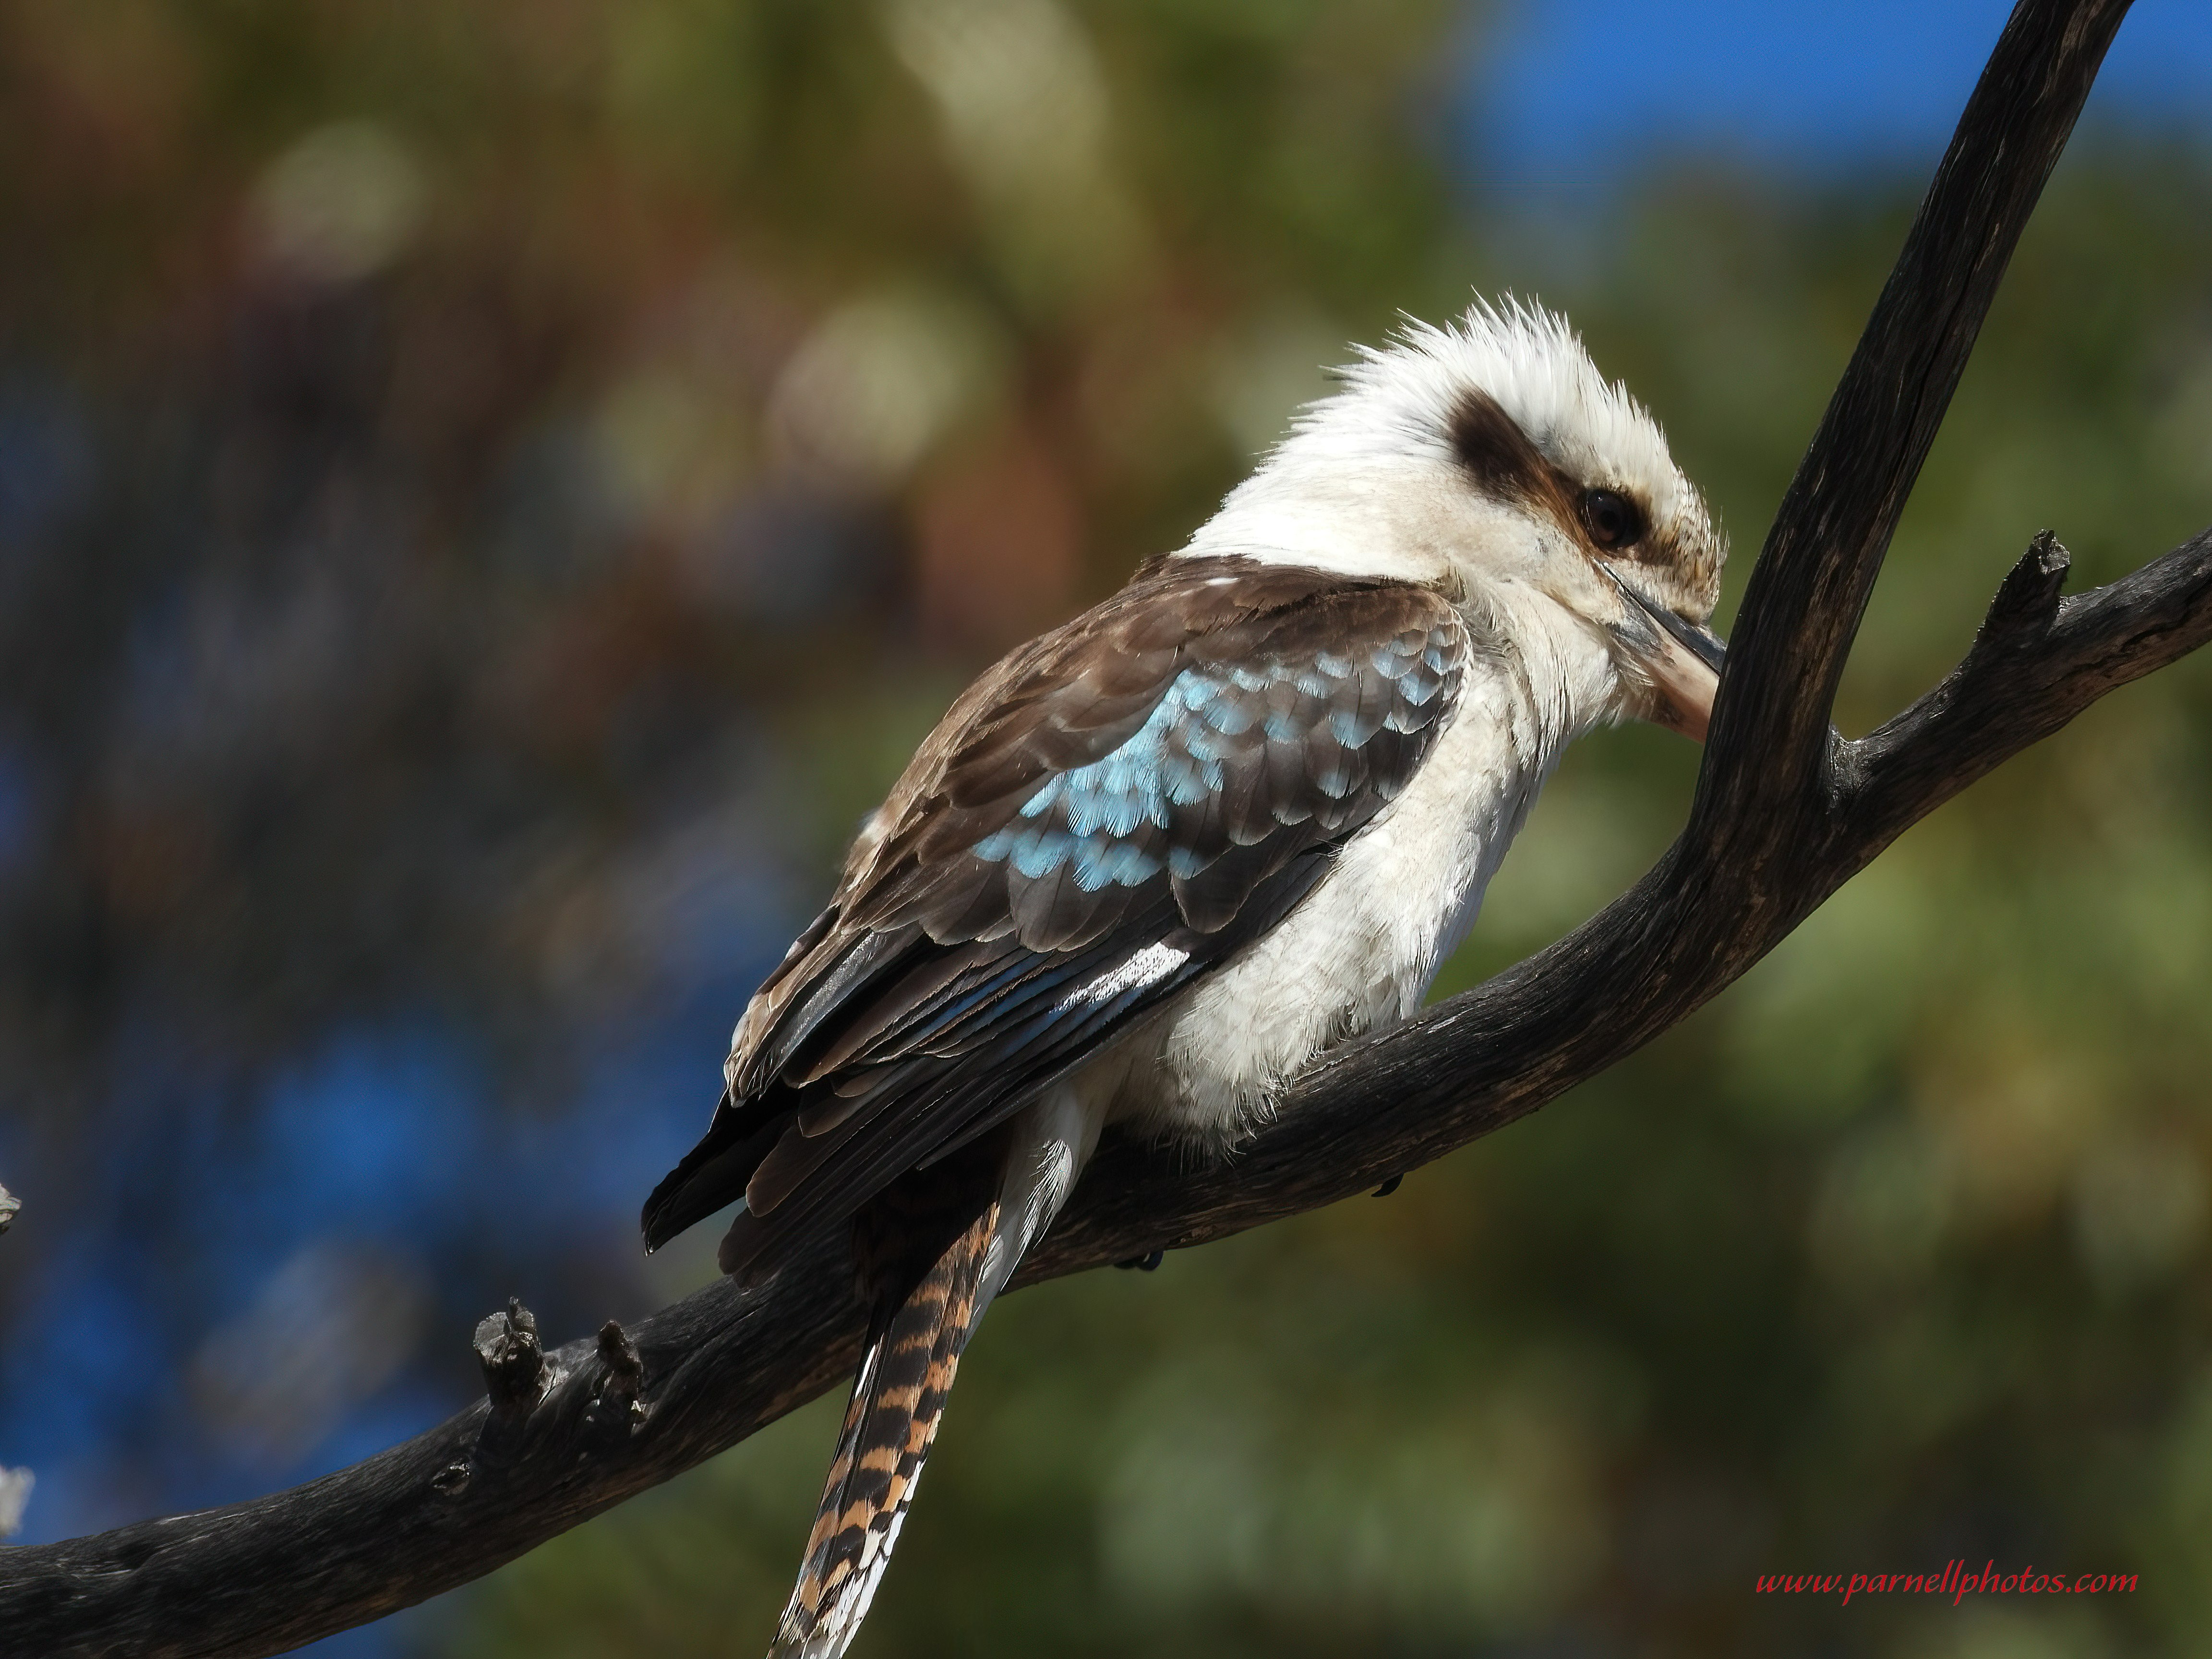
<point x="1682" y="660"/>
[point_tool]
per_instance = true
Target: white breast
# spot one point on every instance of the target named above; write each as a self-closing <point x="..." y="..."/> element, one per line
<point x="1360" y="950"/>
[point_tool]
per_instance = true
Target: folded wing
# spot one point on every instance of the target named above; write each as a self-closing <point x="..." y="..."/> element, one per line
<point x="1108" y="813"/>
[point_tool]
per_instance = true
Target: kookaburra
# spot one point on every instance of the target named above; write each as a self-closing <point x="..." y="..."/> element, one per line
<point x="1154" y="862"/>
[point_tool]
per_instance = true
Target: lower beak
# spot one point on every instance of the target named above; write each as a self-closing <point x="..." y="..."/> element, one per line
<point x="1682" y="660"/>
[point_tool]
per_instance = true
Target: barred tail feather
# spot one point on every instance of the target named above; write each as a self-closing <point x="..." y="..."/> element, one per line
<point x="905" y="1371"/>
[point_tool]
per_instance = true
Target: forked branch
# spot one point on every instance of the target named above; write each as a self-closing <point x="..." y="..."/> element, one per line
<point x="1785" y="812"/>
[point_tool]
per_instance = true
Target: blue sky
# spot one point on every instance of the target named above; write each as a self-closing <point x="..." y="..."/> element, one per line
<point x="1570" y="92"/>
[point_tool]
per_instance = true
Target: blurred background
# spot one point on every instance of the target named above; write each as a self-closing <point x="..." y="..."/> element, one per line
<point x="491" y="492"/>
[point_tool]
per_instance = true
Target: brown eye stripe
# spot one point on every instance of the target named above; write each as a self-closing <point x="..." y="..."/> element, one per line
<point x="1492" y="447"/>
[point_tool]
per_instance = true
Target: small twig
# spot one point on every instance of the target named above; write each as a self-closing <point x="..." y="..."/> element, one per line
<point x="513" y="1364"/>
<point x="2026" y="601"/>
<point x="624" y="1382"/>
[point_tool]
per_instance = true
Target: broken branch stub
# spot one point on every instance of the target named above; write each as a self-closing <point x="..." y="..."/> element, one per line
<point x="513" y="1364"/>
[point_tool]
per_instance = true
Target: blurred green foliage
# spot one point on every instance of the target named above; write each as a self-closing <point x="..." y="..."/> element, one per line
<point x="1897" y="1253"/>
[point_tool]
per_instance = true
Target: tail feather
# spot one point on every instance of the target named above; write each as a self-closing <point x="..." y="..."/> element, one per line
<point x="905" y="1371"/>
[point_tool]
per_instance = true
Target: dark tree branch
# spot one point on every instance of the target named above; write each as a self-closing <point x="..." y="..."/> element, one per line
<point x="1786" y="812"/>
<point x="1769" y="752"/>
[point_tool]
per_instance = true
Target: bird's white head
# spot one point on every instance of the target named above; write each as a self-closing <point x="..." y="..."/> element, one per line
<point x="1491" y="459"/>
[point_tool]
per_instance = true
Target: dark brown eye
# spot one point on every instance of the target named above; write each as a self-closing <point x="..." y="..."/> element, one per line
<point x="1611" y="518"/>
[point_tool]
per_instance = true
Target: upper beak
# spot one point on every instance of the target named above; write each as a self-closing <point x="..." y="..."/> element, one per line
<point x="1683" y="659"/>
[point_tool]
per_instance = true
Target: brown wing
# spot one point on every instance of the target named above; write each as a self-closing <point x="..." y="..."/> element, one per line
<point x="1114" y="809"/>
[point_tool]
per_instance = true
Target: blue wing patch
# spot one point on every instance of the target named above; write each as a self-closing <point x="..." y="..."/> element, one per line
<point x="1095" y="814"/>
<point x="1114" y="822"/>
